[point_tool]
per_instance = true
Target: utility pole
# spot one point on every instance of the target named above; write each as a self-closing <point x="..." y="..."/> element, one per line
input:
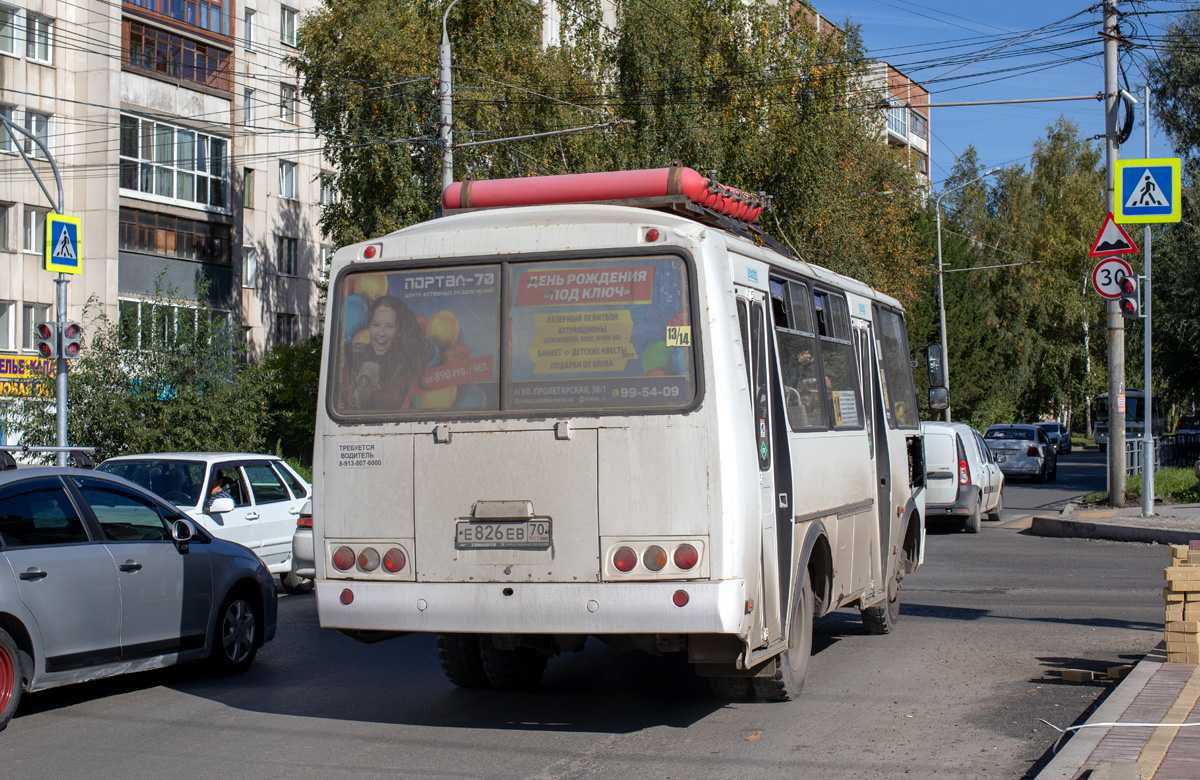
<point x="445" y="87"/>
<point x="1147" y="395"/>
<point x="1116" y="323"/>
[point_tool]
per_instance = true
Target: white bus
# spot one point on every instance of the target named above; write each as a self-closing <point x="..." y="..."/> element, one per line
<point x="539" y="424"/>
<point x="1135" y="417"/>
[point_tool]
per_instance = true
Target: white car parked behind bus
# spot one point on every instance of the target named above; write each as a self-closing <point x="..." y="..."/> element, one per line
<point x="963" y="476"/>
<point x="267" y="497"/>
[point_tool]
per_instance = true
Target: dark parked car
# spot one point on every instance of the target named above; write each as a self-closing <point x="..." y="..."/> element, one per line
<point x="99" y="577"/>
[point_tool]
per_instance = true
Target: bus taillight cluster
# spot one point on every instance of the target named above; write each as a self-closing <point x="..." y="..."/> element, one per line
<point x="368" y="560"/>
<point x="652" y="559"/>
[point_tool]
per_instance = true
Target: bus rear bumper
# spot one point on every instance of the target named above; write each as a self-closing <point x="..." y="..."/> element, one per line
<point x="534" y="607"/>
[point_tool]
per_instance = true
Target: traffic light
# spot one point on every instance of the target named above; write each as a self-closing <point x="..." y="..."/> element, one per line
<point x="47" y="340"/>
<point x="70" y="340"/>
<point x="1129" y="302"/>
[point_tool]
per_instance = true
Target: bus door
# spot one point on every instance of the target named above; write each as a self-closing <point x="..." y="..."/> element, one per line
<point x="877" y="443"/>
<point x="774" y="496"/>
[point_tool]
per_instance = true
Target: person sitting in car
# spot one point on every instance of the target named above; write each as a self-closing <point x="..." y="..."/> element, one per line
<point x="217" y="488"/>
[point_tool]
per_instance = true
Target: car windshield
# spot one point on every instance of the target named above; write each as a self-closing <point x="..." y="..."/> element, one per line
<point x="1050" y="428"/>
<point x="1009" y="433"/>
<point x="178" y="481"/>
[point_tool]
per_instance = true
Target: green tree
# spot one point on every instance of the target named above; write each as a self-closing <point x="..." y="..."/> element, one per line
<point x="1175" y="80"/>
<point x="751" y="91"/>
<point x="176" y="383"/>
<point x="291" y="399"/>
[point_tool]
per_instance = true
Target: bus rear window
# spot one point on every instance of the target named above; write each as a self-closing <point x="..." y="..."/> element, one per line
<point x="413" y="341"/>
<point x="581" y="336"/>
<point x="608" y="334"/>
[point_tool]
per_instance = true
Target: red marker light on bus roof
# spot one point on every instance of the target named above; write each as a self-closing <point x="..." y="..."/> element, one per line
<point x="370" y="252"/>
<point x="652" y="235"/>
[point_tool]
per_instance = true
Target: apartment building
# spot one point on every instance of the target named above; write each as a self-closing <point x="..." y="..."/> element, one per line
<point x="183" y="147"/>
<point x="906" y="117"/>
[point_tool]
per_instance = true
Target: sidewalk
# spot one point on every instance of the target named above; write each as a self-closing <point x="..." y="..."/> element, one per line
<point x="1155" y="692"/>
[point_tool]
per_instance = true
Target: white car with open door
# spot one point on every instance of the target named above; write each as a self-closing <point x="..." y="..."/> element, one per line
<point x="964" y="477"/>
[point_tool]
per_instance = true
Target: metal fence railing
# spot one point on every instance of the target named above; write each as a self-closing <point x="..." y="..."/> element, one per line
<point x="1182" y="449"/>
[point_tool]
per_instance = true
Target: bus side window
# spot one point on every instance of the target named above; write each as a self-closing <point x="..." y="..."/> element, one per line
<point x="838" y="360"/>
<point x="744" y="326"/>
<point x="798" y="359"/>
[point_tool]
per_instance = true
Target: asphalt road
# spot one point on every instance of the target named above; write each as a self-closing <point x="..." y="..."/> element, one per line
<point x="955" y="691"/>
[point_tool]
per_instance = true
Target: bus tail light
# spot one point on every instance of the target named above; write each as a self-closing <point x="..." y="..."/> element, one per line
<point x="625" y="559"/>
<point x="343" y="558"/>
<point x="394" y="560"/>
<point x="368" y="559"/>
<point x="655" y="558"/>
<point x="680" y="598"/>
<point x="686" y="557"/>
<point x="347" y="596"/>
<point x="964" y="474"/>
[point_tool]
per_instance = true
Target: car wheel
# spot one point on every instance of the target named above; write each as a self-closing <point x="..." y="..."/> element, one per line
<point x="972" y="523"/>
<point x="883" y="618"/>
<point x="461" y="663"/>
<point x="295" y="585"/>
<point x="12" y="682"/>
<point x="998" y="511"/>
<point x="791" y="666"/>
<point x="515" y="669"/>
<point x="235" y="640"/>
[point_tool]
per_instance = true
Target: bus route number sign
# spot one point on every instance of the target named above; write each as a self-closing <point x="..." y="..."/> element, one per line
<point x="1107" y="276"/>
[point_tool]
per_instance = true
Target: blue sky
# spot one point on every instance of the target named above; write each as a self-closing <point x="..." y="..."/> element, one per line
<point x="959" y="50"/>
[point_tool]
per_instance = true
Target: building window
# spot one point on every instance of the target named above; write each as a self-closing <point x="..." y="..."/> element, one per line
<point x="6" y="325"/>
<point x="326" y="259"/>
<point x="287" y="25"/>
<point x="156" y="157"/>
<point x="170" y="54"/>
<point x="38" y="37"/>
<point x="287" y="103"/>
<point x="920" y="125"/>
<point x="9" y="35"/>
<point x="247" y="107"/>
<point x="287" y="179"/>
<point x="32" y="315"/>
<point x="285" y="329"/>
<point x="34" y="230"/>
<point x="210" y="15"/>
<point x="897" y="118"/>
<point x="6" y="139"/>
<point x="248" y="31"/>
<point x="248" y="188"/>
<point x="5" y="211"/>
<point x="186" y="239"/>
<point x="287" y="256"/>
<point x="328" y="193"/>
<point x="37" y="125"/>
<point x="144" y="325"/>
<point x="249" y="267"/>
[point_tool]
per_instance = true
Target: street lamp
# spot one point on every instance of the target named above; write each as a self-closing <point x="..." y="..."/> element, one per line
<point x="941" y="284"/>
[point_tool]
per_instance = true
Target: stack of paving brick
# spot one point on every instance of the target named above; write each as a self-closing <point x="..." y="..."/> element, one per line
<point x="1182" y="595"/>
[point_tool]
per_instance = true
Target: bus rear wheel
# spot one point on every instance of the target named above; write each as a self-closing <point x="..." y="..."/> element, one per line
<point x="791" y="666"/>
<point x="515" y="669"/>
<point x="459" y="654"/>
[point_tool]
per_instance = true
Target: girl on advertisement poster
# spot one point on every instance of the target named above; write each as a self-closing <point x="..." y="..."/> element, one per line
<point x="381" y="373"/>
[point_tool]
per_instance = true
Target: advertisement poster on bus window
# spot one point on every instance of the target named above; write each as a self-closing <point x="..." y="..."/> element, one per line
<point x="413" y="341"/>
<point x="600" y="334"/>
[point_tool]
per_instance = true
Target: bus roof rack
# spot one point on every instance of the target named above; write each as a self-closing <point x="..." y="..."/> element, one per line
<point x="675" y="189"/>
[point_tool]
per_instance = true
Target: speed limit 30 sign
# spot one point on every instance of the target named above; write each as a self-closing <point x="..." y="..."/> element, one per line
<point x="1107" y="275"/>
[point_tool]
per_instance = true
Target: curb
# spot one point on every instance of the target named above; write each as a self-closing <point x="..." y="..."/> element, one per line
<point x="1078" y="749"/>
<point x="1083" y="529"/>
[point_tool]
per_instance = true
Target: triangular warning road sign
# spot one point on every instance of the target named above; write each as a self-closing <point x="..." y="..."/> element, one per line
<point x="1147" y="193"/>
<point x="65" y="249"/>
<point x="1112" y="240"/>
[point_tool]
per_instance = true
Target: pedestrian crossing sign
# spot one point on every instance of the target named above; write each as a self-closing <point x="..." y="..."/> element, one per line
<point x="62" y="244"/>
<point x="1147" y="191"/>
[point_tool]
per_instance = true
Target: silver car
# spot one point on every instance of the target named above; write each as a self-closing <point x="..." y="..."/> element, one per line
<point x="99" y="577"/>
<point x="1027" y="451"/>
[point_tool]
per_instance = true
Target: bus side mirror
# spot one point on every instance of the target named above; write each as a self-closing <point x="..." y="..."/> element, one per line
<point x="937" y="372"/>
<point x="939" y="398"/>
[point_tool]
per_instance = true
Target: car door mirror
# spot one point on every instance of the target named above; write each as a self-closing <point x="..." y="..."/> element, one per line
<point x="939" y="398"/>
<point x="182" y="532"/>
<point x="221" y="505"/>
